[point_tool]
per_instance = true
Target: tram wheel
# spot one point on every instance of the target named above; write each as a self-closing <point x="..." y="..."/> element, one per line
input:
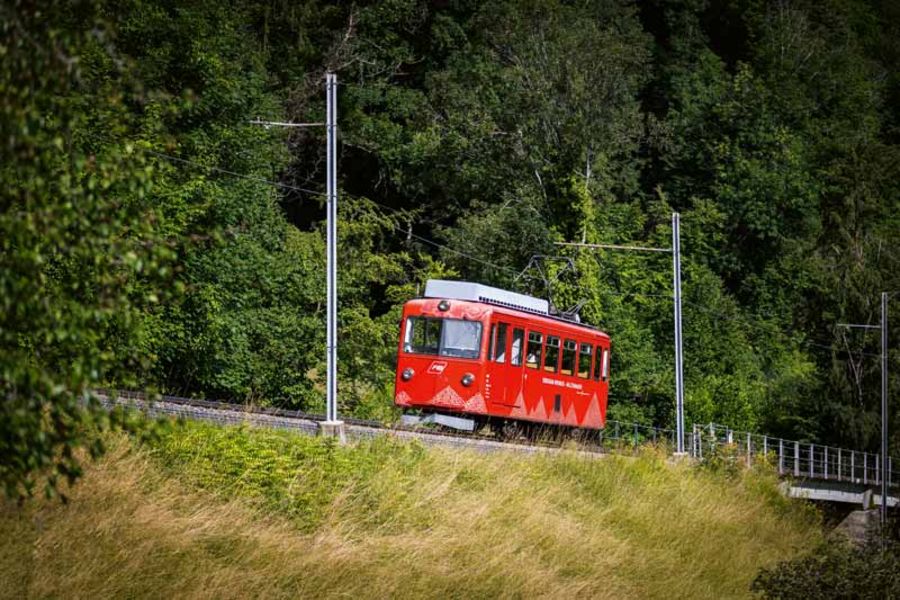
<point x="507" y="430"/>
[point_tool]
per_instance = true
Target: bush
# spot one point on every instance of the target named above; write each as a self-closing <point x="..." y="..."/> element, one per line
<point x="835" y="569"/>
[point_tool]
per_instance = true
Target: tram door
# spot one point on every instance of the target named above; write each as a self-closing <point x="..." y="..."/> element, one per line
<point x="516" y="372"/>
<point x="507" y="354"/>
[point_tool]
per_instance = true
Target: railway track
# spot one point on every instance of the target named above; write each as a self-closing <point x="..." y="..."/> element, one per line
<point x="806" y="467"/>
<point x="225" y="413"/>
<point x="793" y="459"/>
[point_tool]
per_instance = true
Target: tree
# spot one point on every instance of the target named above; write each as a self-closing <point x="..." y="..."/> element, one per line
<point x="79" y="259"/>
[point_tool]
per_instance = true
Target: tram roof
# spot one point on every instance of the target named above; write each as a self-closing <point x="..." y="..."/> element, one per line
<point x="477" y="292"/>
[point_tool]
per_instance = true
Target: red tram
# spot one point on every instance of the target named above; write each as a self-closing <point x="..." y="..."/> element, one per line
<point x="471" y="355"/>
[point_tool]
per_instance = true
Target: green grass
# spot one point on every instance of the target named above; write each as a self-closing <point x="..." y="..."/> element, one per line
<point x="231" y="512"/>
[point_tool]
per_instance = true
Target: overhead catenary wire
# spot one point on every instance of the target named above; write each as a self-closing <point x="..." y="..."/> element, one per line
<point x="408" y="233"/>
<point x="286" y="186"/>
<point x="717" y="313"/>
<point x="469" y="255"/>
<point x="720" y="315"/>
<point x="255" y="178"/>
<point x="431" y="242"/>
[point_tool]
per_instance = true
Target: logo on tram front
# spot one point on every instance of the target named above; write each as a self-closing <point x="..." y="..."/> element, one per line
<point x="437" y="367"/>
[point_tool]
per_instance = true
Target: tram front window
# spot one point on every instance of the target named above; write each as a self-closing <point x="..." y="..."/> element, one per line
<point x="461" y="339"/>
<point x="454" y="338"/>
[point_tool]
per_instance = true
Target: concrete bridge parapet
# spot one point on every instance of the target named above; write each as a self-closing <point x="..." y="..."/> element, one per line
<point x="834" y="491"/>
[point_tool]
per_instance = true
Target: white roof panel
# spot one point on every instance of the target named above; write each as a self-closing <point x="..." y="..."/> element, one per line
<point x="476" y="292"/>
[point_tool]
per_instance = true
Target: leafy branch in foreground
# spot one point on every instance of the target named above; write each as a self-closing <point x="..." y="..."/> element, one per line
<point x="79" y="259"/>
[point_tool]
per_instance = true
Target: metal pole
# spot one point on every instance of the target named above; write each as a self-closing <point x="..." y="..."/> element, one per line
<point x="332" y="303"/>
<point x="780" y="456"/>
<point x="679" y="357"/>
<point x="877" y="469"/>
<point x="884" y="415"/>
<point x="700" y="442"/>
<point x="331" y="425"/>
<point x="749" y="460"/>
<point x="693" y="450"/>
<point x="881" y="461"/>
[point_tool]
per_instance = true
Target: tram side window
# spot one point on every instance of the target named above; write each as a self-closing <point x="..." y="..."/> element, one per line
<point x="515" y="349"/>
<point x="605" y="373"/>
<point x="551" y="356"/>
<point x="499" y="353"/>
<point x="533" y="356"/>
<point x="568" y="361"/>
<point x="601" y="364"/>
<point x="584" y="361"/>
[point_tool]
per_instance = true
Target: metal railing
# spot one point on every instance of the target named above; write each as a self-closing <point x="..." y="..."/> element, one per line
<point x="635" y="434"/>
<point x="790" y="457"/>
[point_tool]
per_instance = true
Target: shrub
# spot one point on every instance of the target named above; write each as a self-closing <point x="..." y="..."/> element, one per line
<point x="835" y="569"/>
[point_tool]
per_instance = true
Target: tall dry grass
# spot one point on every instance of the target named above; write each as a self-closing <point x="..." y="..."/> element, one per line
<point x="445" y="524"/>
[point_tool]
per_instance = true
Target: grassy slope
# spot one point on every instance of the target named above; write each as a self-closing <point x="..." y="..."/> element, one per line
<point x="211" y="512"/>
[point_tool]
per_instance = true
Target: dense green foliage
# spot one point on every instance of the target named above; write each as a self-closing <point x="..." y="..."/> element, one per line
<point x="473" y="136"/>
<point x="81" y="257"/>
<point x="835" y="570"/>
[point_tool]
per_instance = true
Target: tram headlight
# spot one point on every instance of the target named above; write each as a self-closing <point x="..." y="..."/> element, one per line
<point x="407" y="374"/>
<point x="468" y="379"/>
<point x="444" y="305"/>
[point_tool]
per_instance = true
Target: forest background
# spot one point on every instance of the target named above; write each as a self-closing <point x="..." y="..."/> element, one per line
<point x="152" y="237"/>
